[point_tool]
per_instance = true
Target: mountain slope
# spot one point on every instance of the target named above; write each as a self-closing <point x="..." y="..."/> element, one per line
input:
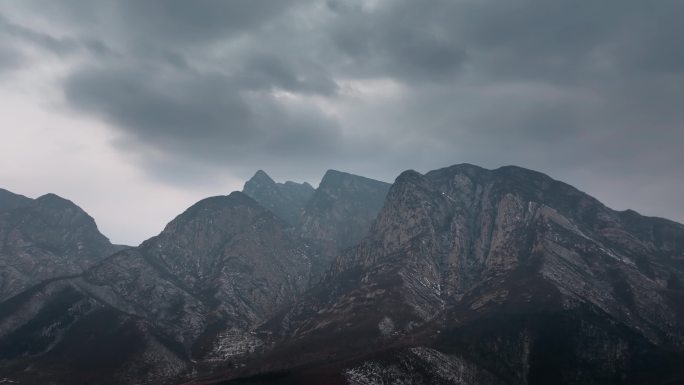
<point x="225" y="260"/>
<point x="45" y="238"/>
<point x="57" y="332"/>
<point x="189" y="296"/>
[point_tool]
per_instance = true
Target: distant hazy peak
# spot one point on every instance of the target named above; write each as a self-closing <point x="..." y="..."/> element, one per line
<point x="333" y="177"/>
<point x="286" y="200"/>
<point x="261" y="176"/>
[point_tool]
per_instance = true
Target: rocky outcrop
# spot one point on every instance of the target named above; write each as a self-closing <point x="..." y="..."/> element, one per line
<point x="286" y="200"/>
<point x="45" y="238"/>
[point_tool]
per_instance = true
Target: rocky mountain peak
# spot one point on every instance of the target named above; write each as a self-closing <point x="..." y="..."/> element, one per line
<point x="54" y="199"/>
<point x="229" y="236"/>
<point x="218" y="269"/>
<point x="262" y="176"/>
<point x="193" y="239"/>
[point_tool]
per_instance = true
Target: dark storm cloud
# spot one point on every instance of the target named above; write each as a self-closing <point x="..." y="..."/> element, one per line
<point x="195" y="22"/>
<point x="405" y="40"/>
<point x="556" y="85"/>
<point x="186" y="114"/>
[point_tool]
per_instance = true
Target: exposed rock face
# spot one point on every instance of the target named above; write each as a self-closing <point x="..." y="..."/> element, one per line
<point x="467" y="249"/>
<point x="286" y="200"/>
<point x="45" y="238"/>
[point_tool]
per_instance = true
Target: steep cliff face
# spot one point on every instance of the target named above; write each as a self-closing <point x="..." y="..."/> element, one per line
<point x="464" y="248"/>
<point x="286" y="200"/>
<point x="45" y="238"/>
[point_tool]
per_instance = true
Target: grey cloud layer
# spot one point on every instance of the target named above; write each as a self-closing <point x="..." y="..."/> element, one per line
<point x="555" y="85"/>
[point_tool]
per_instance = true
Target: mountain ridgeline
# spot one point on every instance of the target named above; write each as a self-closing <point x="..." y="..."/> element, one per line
<point x="462" y="275"/>
<point x="44" y="238"/>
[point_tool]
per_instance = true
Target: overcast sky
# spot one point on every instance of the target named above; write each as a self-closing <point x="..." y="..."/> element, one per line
<point x="136" y="109"/>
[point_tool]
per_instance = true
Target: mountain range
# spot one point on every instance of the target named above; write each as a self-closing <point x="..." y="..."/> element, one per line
<point x="461" y="275"/>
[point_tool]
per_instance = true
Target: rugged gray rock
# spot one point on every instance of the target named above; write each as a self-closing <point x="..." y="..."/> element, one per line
<point x="45" y="238"/>
<point x="464" y="276"/>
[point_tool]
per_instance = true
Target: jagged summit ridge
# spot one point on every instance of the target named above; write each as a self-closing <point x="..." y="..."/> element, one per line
<point x="286" y="200"/>
<point x="342" y="208"/>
